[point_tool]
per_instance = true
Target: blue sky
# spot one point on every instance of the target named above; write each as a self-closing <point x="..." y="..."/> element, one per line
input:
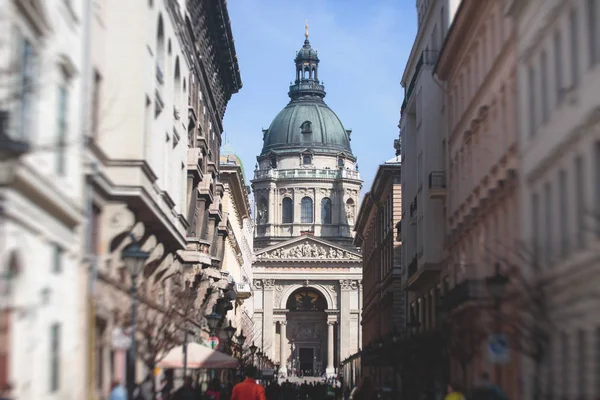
<point x="363" y="47"/>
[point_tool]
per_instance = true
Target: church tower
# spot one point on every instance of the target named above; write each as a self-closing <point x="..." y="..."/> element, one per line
<point x="307" y="275"/>
<point x="306" y="180"/>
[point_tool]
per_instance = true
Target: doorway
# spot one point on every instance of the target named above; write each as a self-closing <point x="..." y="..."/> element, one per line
<point x="306" y="356"/>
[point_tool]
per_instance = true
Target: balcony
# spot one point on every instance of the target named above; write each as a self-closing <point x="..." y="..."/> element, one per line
<point x="465" y="291"/>
<point x="243" y="290"/>
<point x="421" y="275"/>
<point x="308" y="88"/>
<point x="306" y="174"/>
<point x="437" y="185"/>
<point x="10" y="147"/>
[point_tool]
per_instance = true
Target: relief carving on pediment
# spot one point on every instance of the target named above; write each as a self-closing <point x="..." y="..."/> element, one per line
<point x="308" y="251"/>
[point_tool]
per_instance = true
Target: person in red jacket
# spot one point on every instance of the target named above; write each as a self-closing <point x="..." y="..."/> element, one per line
<point x="248" y="389"/>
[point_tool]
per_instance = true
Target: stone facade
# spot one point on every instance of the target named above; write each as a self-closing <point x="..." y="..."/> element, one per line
<point x="277" y="278"/>
<point x="482" y="202"/>
<point x="42" y="207"/>
<point x="379" y="237"/>
<point x="558" y="69"/>
<point x="237" y="259"/>
<point x="154" y="172"/>
<point x="306" y="272"/>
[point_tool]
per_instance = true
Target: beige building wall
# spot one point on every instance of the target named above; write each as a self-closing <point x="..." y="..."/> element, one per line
<point x="559" y="81"/>
<point x="42" y="297"/>
<point x="478" y="65"/>
<point x="237" y="260"/>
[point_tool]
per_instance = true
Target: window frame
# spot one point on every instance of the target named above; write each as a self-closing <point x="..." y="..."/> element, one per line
<point x="306" y="207"/>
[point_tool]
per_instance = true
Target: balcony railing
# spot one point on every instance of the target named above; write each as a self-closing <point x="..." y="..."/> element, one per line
<point x="437" y="184"/>
<point x="437" y="180"/>
<point x="306" y="173"/>
<point x="311" y="87"/>
<point x="469" y="289"/>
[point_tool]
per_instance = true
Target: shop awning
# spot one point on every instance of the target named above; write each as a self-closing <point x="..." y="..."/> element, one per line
<point x="198" y="356"/>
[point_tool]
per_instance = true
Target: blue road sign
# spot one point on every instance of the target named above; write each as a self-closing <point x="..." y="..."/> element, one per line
<point x="498" y="348"/>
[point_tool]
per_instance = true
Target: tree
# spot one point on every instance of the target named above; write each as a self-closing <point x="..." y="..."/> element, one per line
<point x="159" y="329"/>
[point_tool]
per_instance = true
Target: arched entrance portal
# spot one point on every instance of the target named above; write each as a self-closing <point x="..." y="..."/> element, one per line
<point x="304" y="335"/>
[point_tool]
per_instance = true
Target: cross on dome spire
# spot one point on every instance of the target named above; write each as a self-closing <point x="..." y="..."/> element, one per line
<point x="306" y="30"/>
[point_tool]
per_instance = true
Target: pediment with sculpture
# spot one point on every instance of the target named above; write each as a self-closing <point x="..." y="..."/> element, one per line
<point x="307" y="248"/>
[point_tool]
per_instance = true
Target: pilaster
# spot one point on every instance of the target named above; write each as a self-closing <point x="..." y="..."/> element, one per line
<point x="268" y="327"/>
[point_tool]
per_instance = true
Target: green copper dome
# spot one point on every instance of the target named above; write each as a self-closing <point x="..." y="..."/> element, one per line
<point x="306" y="122"/>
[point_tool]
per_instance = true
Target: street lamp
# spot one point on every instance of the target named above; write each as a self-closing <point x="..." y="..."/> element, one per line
<point x="230" y="332"/>
<point x="134" y="258"/>
<point x="252" y="349"/>
<point x="213" y="319"/>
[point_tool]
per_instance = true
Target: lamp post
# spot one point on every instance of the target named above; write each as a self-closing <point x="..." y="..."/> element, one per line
<point x="230" y="332"/>
<point x="213" y="319"/>
<point x="496" y="286"/>
<point x="134" y="258"/>
<point x="252" y="349"/>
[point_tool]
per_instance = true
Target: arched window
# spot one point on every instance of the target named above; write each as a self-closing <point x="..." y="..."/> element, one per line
<point x="307" y="211"/>
<point x="340" y="161"/>
<point x="326" y="211"/>
<point x="160" y="47"/>
<point x="287" y="211"/>
<point x="306" y="299"/>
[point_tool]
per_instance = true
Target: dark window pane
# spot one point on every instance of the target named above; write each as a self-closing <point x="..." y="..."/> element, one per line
<point x="307" y="210"/>
<point x="326" y="211"/>
<point x="287" y="211"/>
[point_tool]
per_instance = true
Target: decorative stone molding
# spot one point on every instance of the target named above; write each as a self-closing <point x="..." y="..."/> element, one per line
<point x="348" y="284"/>
<point x="258" y="284"/>
<point x="308" y="251"/>
<point x="283" y="322"/>
<point x="269" y="283"/>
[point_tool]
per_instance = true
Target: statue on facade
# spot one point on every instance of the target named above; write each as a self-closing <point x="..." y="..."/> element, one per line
<point x="262" y="213"/>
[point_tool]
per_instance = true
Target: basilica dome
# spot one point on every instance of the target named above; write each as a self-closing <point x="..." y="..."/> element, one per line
<point x="306" y="122"/>
<point x="303" y="125"/>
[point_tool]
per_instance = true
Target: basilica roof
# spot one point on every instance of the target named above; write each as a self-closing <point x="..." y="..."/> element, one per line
<point x="306" y="122"/>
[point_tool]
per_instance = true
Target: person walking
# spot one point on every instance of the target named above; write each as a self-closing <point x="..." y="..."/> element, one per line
<point x="117" y="392"/>
<point x="454" y="393"/>
<point x="187" y="391"/>
<point x="248" y="389"/>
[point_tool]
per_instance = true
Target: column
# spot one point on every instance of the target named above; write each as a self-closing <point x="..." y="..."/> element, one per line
<point x="283" y="348"/>
<point x="330" y="368"/>
<point x="268" y="324"/>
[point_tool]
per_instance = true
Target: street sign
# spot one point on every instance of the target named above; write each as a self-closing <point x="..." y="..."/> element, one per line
<point x="213" y="342"/>
<point x="498" y="348"/>
<point x="120" y="339"/>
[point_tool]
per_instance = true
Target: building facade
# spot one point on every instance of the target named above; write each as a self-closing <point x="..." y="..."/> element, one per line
<point x="237" y="259"/>
<point x="42" y="350"/>
<point x="558" y="55"/>
<point x="307" y="274"/>
<point x="154" y="173"/>
<point x="478" y="67"/>
<point x="422" y="145"/>
<point x="384" y="306"/>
